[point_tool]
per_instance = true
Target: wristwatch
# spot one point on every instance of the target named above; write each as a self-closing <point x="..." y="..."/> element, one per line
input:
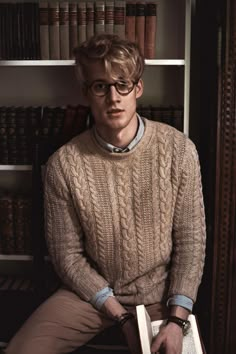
<point x="184" y="324"/>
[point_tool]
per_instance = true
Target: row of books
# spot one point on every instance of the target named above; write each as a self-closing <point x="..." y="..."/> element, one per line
<point x="51" y="30"/>
<point x="54" y="126"/>
<point x="15" y="224"/>
<point x="21" y="127"/>
<point x="16" y="282"/>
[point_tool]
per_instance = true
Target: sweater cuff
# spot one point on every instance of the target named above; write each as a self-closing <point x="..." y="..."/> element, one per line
<point x="180" y="300"/>
<point x="101" y="296"/>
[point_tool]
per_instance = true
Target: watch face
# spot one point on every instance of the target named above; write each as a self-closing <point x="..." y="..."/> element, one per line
<point x="186" y="327"/>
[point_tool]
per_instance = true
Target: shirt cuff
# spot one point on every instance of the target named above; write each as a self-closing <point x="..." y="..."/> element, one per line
<point x="101" y="296"/>
<point x="180" y="300"/>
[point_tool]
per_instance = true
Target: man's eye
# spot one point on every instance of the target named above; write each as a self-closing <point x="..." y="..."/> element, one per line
<point x="123" y="83"/>
<point x="100" y="86"/>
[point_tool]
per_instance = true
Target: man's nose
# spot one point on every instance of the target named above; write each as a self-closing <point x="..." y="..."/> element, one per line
<point x="113" y="94"/>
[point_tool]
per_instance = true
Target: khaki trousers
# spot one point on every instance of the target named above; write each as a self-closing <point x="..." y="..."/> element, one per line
<point x="62" y="324"/>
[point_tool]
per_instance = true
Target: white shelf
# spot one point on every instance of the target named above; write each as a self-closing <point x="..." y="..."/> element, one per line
<point x="15" y="257"/>
<point x="36" y="62"/>
<point x="15" y="167"/>
<point x="174" y="62"/>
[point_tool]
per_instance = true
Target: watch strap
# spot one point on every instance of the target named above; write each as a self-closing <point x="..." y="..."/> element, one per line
<point x="184" y="324"/>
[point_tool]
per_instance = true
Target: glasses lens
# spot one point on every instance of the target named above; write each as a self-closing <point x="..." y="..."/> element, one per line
<point x="124" y="87"/>
<point x="99" y="88"/>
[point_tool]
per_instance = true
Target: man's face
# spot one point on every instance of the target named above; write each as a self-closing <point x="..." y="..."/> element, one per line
<point x="113" y="111"/>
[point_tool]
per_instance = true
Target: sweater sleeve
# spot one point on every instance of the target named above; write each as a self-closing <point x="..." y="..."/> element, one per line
<point x="64" y="234"/>
<point x="189" y="231"/>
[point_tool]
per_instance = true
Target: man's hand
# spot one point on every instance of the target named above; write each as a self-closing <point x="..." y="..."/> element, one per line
<point x="169" y="340"/>
<point x="130" y="331"/>
<point x="128" y="327"/>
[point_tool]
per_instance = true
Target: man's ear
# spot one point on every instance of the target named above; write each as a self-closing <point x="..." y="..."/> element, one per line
<point x="139" y="88"/>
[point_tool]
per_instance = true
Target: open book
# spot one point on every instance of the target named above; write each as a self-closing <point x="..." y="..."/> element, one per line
<point x="148" y="329"/>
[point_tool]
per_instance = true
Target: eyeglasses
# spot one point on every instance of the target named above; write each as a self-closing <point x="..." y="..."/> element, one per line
<point x="101" y="88"/>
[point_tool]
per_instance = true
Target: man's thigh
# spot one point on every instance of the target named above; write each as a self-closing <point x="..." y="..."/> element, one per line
<point x="61" y="324"/>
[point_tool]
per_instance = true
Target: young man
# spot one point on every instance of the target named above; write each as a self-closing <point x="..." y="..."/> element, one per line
<point x="124" y="216"/>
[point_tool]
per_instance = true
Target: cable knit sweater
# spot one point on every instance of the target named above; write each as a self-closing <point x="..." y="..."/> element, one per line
<point x="133" y="221"/>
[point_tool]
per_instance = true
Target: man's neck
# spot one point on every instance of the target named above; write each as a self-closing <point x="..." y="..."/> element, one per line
<point x="119" y="137"/>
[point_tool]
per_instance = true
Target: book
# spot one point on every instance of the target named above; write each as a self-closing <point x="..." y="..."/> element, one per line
<point x="54" y="32"/>
<point x="148" y="329"/>
<point x="89" y="19"/>
<point x="6" y="223"/>
<point x="150" y="30"/>
<point x="64" y="30"/>
<point x="81" y="22"/>
<point x="73" y="30"/>
<point x="119" y="18"/>
<point x="99" y="17"/>
<point x="140" y="25"/>
<point x="109" y="16"/>
<point x="130" y="20"/>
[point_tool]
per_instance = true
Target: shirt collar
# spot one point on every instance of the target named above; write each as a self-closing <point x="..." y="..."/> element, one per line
<point x="129" y="147"/>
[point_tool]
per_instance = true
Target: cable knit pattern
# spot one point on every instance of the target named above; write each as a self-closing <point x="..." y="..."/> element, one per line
<point x="119" y="219"/>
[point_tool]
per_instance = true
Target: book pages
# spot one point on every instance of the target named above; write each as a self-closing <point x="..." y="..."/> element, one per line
<point x="148" y="330"/>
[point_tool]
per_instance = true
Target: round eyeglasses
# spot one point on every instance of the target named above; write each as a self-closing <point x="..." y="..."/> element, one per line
<point x="101" y="88"/>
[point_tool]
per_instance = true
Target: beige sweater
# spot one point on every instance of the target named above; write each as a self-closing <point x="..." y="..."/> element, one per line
<point x="133" y="221"/>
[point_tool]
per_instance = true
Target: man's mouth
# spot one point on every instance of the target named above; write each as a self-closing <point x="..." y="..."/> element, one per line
<point x="115" y="110"/>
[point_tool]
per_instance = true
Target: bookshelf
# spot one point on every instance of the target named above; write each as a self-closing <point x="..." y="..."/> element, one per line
<point x="53" y="83"/>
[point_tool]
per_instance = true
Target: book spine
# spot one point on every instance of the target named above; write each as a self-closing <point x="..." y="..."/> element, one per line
<point x="3" y="137"/>
<point x="140" y="25"/>
<point x="99" y="17"/>
<point x="11" y="136"/>
<point x="26" y="31"/>
<point x="73" y="23"/>
<point x="130" y="19"/>
<point x="44" y="30"/>
<point x="90" y="19"/>
<point x="64" y="30"/>
<point x="81" y="22"/>
<point x="6" y="224"/>
<point x="35" y="31"/>
<point x="22" y="135"/>
<point x="9" y="21"/>
<point x="109" y="17"/>
<point x="22" y="32"/>
<point x="150" y="30"/>
<point x="80" y="121"/>
<point x="3" y="31"/>
<point x="54" y="33"/>
<point x="119" y="18"/>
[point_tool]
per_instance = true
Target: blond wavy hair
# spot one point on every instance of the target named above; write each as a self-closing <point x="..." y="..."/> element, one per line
<point x="121" y="58"/>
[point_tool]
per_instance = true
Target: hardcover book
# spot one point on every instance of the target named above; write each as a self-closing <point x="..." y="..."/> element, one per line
<point x="119" y="18"/>
<point x="44" y="30"/>
<point x="150" y="30"/>
<point x="81" y="22"/>
<point x="99" y="17"/>
<point x="64" y="30"/>
<point x="109" y="16"/>
<point x="89" y="19"/>
<point x="140" y="25"/>
<point x="54" y="32"/>
<point x="130" y="20"/>
<point x="73" y="28"/>
<point x="149" y="329"/>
